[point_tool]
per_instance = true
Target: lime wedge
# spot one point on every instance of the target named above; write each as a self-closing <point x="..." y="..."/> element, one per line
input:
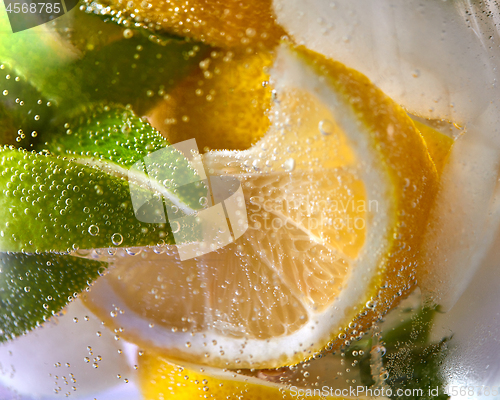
<point x="114" y="139"/>
<point x="105" y="132"/>
<point x="35" y="287"/>
<point x="50" y="203"/>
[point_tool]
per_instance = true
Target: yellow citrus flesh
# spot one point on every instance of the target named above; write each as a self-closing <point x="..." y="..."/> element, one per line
<point x="224" y="23"/>
<point x="223" y="105"/>
<point x="160" y="379"/>
<point x="337" y="193"/>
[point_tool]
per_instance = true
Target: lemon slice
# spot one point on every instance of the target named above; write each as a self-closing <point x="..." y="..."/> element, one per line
<point x="227" y="95"/>
<point x="337" y="195"/>
<point x="161" y="379"/>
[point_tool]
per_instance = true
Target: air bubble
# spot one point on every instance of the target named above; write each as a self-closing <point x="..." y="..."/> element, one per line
<point x="250" y="32"/>
<point x="326" y="127"/>
<point x="176" y="227"/>
<point x="289" y="165"/>
<point x="384" y="375"/>
<point x="93" y="230"/>
<point x="128" y="33"/>
<point x="126" y="129"/>
<point x="117" y="239"/>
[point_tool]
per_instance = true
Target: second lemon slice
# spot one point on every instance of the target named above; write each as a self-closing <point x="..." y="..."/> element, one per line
<point x="337" y="196"/>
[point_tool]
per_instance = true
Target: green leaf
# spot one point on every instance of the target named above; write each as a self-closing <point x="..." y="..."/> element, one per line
<point x="50" y="203"/>
<point x="24" y="112"/>
<point x="137" y="71"/>
<point x="35" y="287"/>
<point x="35" y="54"/>
<point x="412" y="362"/>
<point x="80" y="59"/>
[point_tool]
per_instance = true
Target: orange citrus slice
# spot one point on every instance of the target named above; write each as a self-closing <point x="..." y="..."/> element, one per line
<point x="229" y="23"/>
<point x="223" y="105"/>
<point x="337" y="195"/>
<point x="161" y="379"/>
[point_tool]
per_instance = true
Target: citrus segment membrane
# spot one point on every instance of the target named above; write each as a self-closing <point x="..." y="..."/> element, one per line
<point x="36" y="286"/>
<point x="338" y="152"/>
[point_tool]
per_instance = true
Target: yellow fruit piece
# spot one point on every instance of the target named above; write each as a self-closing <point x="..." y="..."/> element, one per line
<point x="223" y="105"/>
<point x="337" y="193"/>
<point x="224" y="23"/>
<point x="438" y="144"/>
<point x="160" y="379"/>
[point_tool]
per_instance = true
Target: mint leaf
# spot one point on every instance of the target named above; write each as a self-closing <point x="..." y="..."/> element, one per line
<point x="137" y="71"/>
<point x="24" y="112"/>
<point x="412" y="362"/>
<point x="35" y="287"/>
<point x="80" y="59"/>
<point x="36" y="54"/>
